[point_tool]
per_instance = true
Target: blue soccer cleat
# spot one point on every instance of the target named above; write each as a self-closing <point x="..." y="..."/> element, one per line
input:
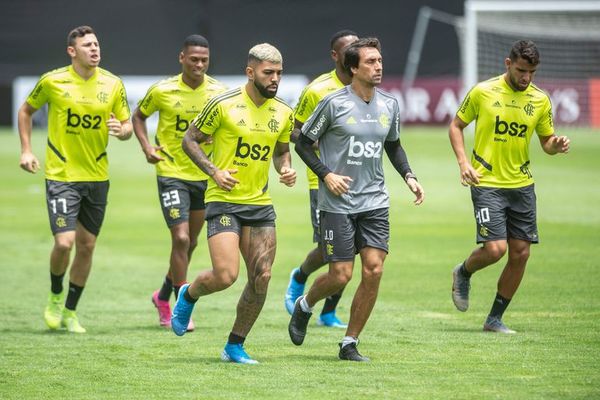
<point x="330" y="320"/>
<point x="294" y="290"/>
<point x="235" y="353"/>
<point x="182" y="312"/>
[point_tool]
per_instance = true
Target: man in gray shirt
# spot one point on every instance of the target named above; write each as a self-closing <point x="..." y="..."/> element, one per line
<point x="353" y="126"/>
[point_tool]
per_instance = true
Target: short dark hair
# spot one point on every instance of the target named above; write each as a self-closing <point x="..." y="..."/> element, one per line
<point x="340" y="34"/>
<point x="195" y="40"/>
<point x="525" y="49"/>
<point x="78" y="32"/>
<point x="352" y="57"/>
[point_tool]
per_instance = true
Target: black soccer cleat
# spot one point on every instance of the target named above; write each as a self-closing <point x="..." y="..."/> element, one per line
<point x="298" y="323"/>
<point x="350" y="353"/>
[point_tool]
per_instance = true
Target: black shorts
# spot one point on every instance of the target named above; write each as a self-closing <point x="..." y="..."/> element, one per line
<point x="229" y="217"/>
<point x="69" y="202"/>
<point x="505" y="213"/>
<point x="314" y="214"/>
<point x="344" y="235"/>
<point x="178" y="197"/>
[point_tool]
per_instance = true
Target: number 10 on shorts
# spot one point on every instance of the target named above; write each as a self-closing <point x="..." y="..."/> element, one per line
<point x="483" y="215"/>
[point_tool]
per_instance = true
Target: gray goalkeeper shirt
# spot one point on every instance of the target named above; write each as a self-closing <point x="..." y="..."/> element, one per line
<point x="351" y="134"/>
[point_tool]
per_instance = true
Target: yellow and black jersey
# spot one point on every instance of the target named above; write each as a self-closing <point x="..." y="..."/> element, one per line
<point x="244" y="139"/>
<point x="78" y="110"/>
<point x="505" y="122"/>
<point x="312" y="94"/>
<point x="177" y="104"/>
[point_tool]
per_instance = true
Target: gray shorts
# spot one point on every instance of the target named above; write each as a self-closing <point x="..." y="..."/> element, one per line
<point x="178" y="197"/>
<point x="229" y="217"/>
<point x="505" y="213"/>
<point x="69" y="202"/>
<point x="344" y="235"/>
<point x="314" y="214"/>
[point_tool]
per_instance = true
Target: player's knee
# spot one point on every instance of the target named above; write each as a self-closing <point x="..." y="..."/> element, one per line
<point x="225" y="279"/>
<point x="373" y="271"/>
<point x="520" y="256"/>
<point x="63" y="245"/>
<point x="341" y="277"/>
<point x="181" y="241"/>
<point x="495" y="250"/>
<point x="261" y="282"/>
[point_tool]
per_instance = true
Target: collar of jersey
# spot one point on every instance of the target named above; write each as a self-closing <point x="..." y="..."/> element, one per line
<point x="249" y="99"/>
<point x="336" y="78"/>
<point x="183" y="85"/>
<point x="77" y="76"/>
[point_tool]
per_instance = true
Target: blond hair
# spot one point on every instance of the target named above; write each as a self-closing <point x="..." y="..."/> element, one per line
<point x="265" y="52"/>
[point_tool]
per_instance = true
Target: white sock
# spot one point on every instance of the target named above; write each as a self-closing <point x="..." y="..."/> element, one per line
<point x="348" y="339"/>
<point x="304" y="305"/>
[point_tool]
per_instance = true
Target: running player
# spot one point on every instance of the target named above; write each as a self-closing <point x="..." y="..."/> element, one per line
<point x="507" y="110"/>
<point x="181" y="185"/>
<point x="249" y="126"/>
<point x="86" y="105"/>
<point x="353" y="126"/>
<point x="310" y="97"/>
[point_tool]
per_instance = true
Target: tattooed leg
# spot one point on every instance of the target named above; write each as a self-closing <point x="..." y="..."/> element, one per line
<point x="258" y="249"/>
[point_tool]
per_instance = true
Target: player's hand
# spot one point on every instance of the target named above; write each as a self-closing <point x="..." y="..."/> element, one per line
<point x="287" y="176"/>
<point x="337" y="184"/>
<point x="115" y="128"/>
<point x="417" y="189"/>
<point x="29" y="162"/>
<point x="152" y="155"/>
<point x="561" y="144"/>
<point x="468" y="175"/>
<point x="224" y="179"/>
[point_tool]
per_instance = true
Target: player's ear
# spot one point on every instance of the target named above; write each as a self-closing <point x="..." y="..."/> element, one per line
<point x="71" y="51"/>
<point x="507" y="62"/>
<point x="250" y="73"/>
<point x="181" y="56"/>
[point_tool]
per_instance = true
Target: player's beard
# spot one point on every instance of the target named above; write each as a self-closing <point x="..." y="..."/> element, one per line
<point x="263" y="90"/>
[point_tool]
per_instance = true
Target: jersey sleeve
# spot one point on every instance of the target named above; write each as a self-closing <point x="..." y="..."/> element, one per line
<point x="469" y="108"/>
<point x="545" y="125"/>
<point x="284" y="137"/>
<point x="148" y="105"/>
<point x="39" y="95"/>
<point x="394" y="132"/>
<point x="120" y="105"/>
<point x="306" y="104"/>
<point x="319" y="121"/>
<point x="209" y="118"/>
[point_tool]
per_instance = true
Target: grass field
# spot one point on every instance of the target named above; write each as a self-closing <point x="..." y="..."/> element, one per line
<point x="420" y="346"/>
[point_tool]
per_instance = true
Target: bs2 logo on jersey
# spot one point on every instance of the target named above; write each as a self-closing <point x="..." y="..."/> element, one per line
<point x="512" y="128"/>
<point x="86" y="121"/>
<point x="255" y="151"/>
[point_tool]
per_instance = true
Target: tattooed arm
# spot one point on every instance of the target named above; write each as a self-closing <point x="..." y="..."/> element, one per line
<point x="193" y="137"/>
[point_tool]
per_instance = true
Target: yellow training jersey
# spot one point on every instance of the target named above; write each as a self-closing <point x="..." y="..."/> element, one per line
<point x="310" y="97"/>
<point x="506" y="120"/>
<point x="77" y="113"/>
<point x="244" y="138"/>
<point x="177" y="104"/>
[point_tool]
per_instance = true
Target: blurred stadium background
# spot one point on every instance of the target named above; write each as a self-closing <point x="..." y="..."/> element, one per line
<point x="430" y="47"/>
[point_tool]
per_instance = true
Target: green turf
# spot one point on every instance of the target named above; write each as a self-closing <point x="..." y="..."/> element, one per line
<point x="420" y="346"/>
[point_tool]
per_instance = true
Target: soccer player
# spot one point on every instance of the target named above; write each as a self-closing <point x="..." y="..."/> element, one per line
<point x="353" y="126"/>
<point x="507" y="110"/>
<point x="86" y="105"/>
<point x="310" y="97"/>
<point x="181" y="185"/>
<point x="249" y="126"/>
